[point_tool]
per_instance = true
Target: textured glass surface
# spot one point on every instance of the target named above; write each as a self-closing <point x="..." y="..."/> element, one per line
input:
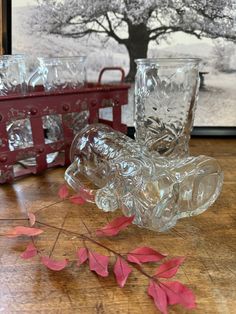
<point x="79" y="120"/>
<point x="126" y="175"/>
<point x="20" y="136"/>
<point x="12" y="74"/>
<point x="59" y="73"/>
<point x="166" y="92"/>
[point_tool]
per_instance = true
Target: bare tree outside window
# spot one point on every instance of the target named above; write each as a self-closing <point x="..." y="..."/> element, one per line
<point x="115" y="32"/>
<point x="136" y="23"/>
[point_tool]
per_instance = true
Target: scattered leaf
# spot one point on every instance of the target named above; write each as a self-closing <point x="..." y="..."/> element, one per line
<point x="54" y="265"/>
<point x="30" y="251"/>
<point x="21" y="230"/>
<point x="169" y="268"/>
<point x="63" y="191"/>
<point x="77" y="199"/>
<point x="32" y="219"/>
<point x="115" y="226"/>
<point x="177" y="293"/>
<point x="144" y="255"/>
<point x="159" y="296"/>
<point x="131" y="258"/>
<point x="98" y="263"/>
<point x="82" y="256"/>
<point x="122" y="271"/>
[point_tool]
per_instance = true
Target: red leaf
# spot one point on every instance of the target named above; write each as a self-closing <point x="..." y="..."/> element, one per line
<point x="177" y="293"/>
<point x="131" y="258"/>
<point x="98" y="263"/>
<point x="54" y="265"/>
<point x="77" y="199"/>
<point x="82" y="256"/>
<point x="159" y="296"/>
<point x="63" y="191"/>
<point x="122" y="271"/>
<point x="169" y="268"/>
<point x="144" y="255"/>
<point x="31" y="219"/>
<point x="30" y="252"/>
<point x="115" y="226"/>
<point x="21" y="230"/>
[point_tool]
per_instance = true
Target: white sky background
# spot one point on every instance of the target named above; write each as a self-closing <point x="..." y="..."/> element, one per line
<point x="22" y="3"/>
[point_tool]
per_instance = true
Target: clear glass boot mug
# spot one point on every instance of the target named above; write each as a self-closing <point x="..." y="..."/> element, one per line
<point x="166" y="92"/>
<point x="114" y="171"/>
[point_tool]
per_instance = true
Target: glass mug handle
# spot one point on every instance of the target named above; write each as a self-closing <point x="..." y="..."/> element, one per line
<point x="34" y="78"/>
<point x="71" y="177"/>
<point x="103" y="197"/>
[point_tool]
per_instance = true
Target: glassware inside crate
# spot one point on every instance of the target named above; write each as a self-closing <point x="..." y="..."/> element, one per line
<point x="12" y="74"/>
<point x="20" y="136"/>
<point x="37" y="129"/>
<point x="59" y="73"/>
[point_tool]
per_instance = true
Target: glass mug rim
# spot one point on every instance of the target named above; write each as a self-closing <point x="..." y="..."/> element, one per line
<point x="167" y="61"/>
<point x="12" y="57"/>
<point x="59" y="58"/>
<point x="54" y="63"/>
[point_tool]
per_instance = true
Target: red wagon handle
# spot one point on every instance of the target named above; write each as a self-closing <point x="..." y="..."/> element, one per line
<point x="112" y="69"/>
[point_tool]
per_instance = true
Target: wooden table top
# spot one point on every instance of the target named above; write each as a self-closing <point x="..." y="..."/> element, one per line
<point x="208" y="241"/>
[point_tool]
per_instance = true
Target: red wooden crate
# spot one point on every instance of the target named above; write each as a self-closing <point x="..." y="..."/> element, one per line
<point x="92" y="97"/>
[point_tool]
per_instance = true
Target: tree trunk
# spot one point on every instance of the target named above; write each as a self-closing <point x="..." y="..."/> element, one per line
<point x="137" y="46"/>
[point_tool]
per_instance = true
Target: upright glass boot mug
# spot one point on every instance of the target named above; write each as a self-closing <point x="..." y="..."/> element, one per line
<point x="157" y="190"/>
<point x="166" y="92"/>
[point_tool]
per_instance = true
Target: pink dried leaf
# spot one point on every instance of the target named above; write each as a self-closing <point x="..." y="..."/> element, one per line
<point x="115" y="226"/>
<point x="121" y="271"/>
<point x="169" y="268"/>
<point x="98" y="263"/>
<point x="82" y="256"/>
<point x="63" y="192"/>
<point x="144" y="255"/>
<point x="132" y="259"/>
<point x="77" y="199"/>
<point x="159" y="296"/>
<point x="177" y="293"/>
<point x="23" y="231"/>
<point x="53" y="264"/>
<point x="32" y="219"/>
<point x="30" y="251"/>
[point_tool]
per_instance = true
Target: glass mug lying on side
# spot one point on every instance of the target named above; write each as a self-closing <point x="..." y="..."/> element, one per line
<point x="158" y="191"/>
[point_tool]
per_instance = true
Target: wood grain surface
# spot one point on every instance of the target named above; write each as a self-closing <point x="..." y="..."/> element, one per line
<point x="208" y="241"/>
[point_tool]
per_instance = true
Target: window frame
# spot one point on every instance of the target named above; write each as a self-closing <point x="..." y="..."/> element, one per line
<point x="213" y="131"/>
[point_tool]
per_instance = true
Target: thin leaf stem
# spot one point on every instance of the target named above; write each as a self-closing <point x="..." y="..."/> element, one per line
<point x="58" y="235"/>
<point x="47" y="206"/>
<point x="86" y="238"/>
